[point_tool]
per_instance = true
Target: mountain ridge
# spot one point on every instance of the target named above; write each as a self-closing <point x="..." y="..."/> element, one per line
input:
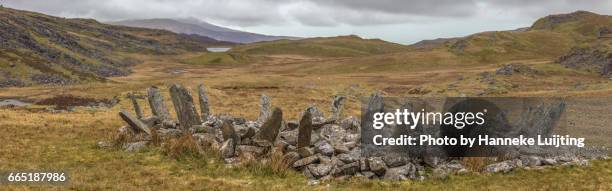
<point x="195" y="26"/>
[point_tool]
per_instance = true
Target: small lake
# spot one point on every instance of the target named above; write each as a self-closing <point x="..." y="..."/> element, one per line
<point x="13" y="102"/>
<point x="218" y="49"/>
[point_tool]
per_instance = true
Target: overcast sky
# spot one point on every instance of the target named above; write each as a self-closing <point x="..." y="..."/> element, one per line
<point x="401" y="21"/>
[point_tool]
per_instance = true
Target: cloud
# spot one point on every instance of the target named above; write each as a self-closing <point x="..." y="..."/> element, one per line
<point x="319" y="13"/>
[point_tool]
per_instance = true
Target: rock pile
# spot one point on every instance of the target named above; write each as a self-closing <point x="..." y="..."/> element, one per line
<point x="318" y="147"/>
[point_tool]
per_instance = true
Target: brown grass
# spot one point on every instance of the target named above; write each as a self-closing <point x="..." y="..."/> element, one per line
<point x="34" y="139"/>
<point x="181" y="148"/>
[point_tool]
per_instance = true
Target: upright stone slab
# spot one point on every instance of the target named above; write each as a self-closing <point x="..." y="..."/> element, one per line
<point x="183" y="105"/>
<point x="156" y="101"/>
<point x="266" y="105"/>
<point x="135" y="124"/>
<point x="271" y="127"/>
<point x="204" y="107"/>
<point x="304" y="130"/>
<point x="337" y="107"/>
<point x="228" y="132"/>
<point x="136" y="106"/>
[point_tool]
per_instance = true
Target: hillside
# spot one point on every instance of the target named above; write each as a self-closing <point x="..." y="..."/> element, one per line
<point x="308" y="49"/>
<point x="194" y="26"/>
<point x="549" y="37"/>
<point x="41" y="49"/>
<point x="341" y="46"/>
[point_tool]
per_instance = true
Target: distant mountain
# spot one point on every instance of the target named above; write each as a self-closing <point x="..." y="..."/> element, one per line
<point x="194" y="26"/>
<point x="41" y="49"/>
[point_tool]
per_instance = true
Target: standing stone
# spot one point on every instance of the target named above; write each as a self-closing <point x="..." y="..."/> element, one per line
<point x="136" y="106"/>
<point x="271" y="127"/>
<point x="183" y="104"/>
<point x="134" y="123"/>
<point x="304" y="130"/>
<point x="228" y="132"/>
<point x="204" y="107"/>
<point x="337" y="107"/>
<point x="156" y="101"/>
<point x="266" y="106"/>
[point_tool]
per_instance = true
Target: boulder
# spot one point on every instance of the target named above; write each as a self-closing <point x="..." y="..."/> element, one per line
<point x="305" y="151"/>
<point x="324" y="148"/>
<point x="227" y="148"/>
<point x="291" y="157"/>
<point x="393" y="160"/>
<point x="377" y="165"/>
<point x="401" y="172"/>
<point x="135" y="147"/>
<point x="319" y="170"/>
<point x="254" y="150"/>
<point x="305" y="161"/>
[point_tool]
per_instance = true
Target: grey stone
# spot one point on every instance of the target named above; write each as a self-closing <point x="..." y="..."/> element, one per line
<point x="135" y="105"/>
<point x="291" y="157"/>
<point x="340" y="149"/>
<point x="135" y="124"/>
<point x="319" y="170"/>
<point x="135" y="147"/>
<point x="347" y="158"/>
<point x="156" y="102"/>
<point x="265" y="110"/>
<point x="305" y="130"/>
<point x="549" y="161"/>
<point x="368" y="174"/>
<point x="505" y="166"/>
<point x="105" y="144"/>
<point x="169" y="133"/>
<point x="317" y="116"/>
<point x="271" y="127"/>
<point x="324" y="148"/>
<point x="314" y="182"/>
<point x="351" y="123"/>
<point x="400" y="173"/>
<point x="150" y="121"/>
<point x="392" y="160"/>
<point x="532" y="161"/>
<point x="305" y="161"/>
<point x="337" y="107"/>
<point x="255" y="150"/>
<point x="204" y="107"/>
<point x="291" y="137"/>
<point x="305" y="151"/>
<point x="228" y="132"/>
<point x="291" y="125"/>
<point x="348" y="169"/>
<point x="377" y="165"/>
<point x="324" y="159"/>
<point x="183" y="105"/>
<point x="228" y="148"/>
<point x="364" y="164"/>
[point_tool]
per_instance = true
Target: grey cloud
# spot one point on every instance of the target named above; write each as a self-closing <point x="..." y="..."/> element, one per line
<point x="247" y="13"/>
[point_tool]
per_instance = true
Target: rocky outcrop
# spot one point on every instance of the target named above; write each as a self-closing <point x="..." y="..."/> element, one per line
<point x="596" y="59"/>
